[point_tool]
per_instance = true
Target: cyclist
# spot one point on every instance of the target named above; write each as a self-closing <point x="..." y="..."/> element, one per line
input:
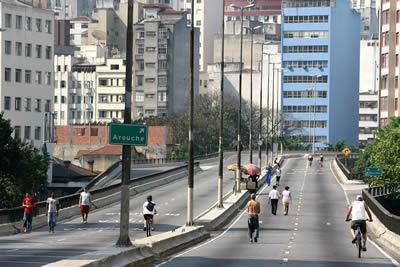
<point x="310" y="159"/>
<point x="357" y="211"/>
<point x="148" y="212"/>
<point x="321" y="159"/>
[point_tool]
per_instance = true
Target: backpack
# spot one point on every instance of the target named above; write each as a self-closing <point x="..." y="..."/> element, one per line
<point x="150" y="206"/>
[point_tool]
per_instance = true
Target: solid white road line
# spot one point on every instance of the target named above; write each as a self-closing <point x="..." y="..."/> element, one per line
<point x="394" y="262"/>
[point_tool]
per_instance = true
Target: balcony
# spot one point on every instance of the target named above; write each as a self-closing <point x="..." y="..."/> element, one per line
<point x="139" y="56"/>
<point x="163" y="104"/>
<point x="89" y="106"/>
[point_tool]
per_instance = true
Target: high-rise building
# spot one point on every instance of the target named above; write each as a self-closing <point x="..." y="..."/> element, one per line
<point x="389" y="62"/>
<point x="369" y="18"/>
<point x="162" y="65"/>
<point x="26" y="64"/>
<point x="320" y="75"/>
<point x="369" y="84"/>
<point x="265" y="11"/>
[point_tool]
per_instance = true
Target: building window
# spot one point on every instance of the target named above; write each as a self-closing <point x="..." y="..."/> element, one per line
<point x="48" y="78"/>
<point x="139" y="80"/>
<point x="28" y="23"/>
<point x="151" y="34"/>
<point x="38" y="104"/>
<point x="162" y="49"/>
<point x="305" y="109"/>
<point x="48" y="52"/>
<point x="198" y="22"/>
<point x="18" y="75"/>
<point x="27" y="133"/>
<point x="7" y="103"/>
<point x="114" y="67"/>
<point x="17" y="104"/>
<point x="305" y="94"/>
<point x="38" y="25"/>
<point x="306" y="49"/>
<point x="38" y="51"/>
<point x="55" y="99"/>
<point x="103" y="82"/>
<point x="7" y="47"/>
<point x="28" y="50"/>
<point x="38" y="131"/>
<point x="162" y="80"/>
<point x="62" y="84"/>
<point x="306" y="64"/>
<point x="38" y="77"/>
<point x="306" y="19"/>
<point x="150" y="80"/>
<point x="7" y="74"/>
<point x="150" y="49"/>
<point x="17" y="132"/>
<point x="140" y="49"/>
<point x="47" y="105"/>
<point x="162" y="96"/>
<point x="62" y="115"/>
<point x="305" y="34"/>
<point x="149" y="112"/>
<point x="18" y="22"/>
<point x="28" y="104"/>
<point x="8" y="21"/>
<point x="28" y="76"/>
<point x="18" y="49"/>
<point x="150" y="65"/>
<point x="139" y="96"/>
<point x="163" y="65"/>
<point x="149" y="96"/>
<point x="63" y="100"/>
<point x="305" y="79"/>
<point x="47" y="26"/>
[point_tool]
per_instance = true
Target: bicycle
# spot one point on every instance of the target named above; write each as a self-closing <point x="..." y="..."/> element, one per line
<point x="358" y="239"/>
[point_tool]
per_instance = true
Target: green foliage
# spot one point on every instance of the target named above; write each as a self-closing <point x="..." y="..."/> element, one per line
<point x="22" y="168"/>
<point x="384" y="152"/>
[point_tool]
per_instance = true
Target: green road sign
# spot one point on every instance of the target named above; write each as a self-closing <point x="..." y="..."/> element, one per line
<point x="128" y="134"/>
<point x="373" y="171"/>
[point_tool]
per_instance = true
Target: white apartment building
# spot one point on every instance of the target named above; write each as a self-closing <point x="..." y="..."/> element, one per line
<point x="207" y="17"/>
<point x="161" y="62"/>
<point x="26" y="63"/>
<point x="79" y="30"/>
<point x="75" y="98"/>
<point x="369" y="84"/>
<point x="110" y="79"/>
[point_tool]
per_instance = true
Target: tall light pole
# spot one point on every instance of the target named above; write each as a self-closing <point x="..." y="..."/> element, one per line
<point x="221" y="116"/>
<point x="123" y="240"/>
<point x="268" y="114"/>
<point x="315" y="78"/>
<point x="251" y="29"/>
<point x="272" y="112"/>
<point x="238" y="170"/>
<point x="189" y="219"/>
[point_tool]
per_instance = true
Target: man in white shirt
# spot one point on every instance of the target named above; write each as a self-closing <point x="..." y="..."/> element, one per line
<point x="148" y="212"/>
<point x="84" y="204"/>
<point x="274" y="198"/>
<point x="52" y="207"/>
<point x="278" y="173"/>
<point x="357" y="210"/>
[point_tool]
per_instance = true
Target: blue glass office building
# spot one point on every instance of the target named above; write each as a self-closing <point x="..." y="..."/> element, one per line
<point x="320" y="77"/>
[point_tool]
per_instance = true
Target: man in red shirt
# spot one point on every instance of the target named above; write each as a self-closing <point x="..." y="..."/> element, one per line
<point x="28" y="204"/>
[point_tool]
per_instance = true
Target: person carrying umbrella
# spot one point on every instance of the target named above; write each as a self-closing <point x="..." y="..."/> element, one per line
<point x="253" y="171"/>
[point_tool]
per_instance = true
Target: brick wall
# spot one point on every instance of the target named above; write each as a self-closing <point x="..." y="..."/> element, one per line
<point x="99" y="135"/>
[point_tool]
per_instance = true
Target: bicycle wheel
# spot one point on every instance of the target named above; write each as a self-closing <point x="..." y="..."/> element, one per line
<point x="359" y="243"/>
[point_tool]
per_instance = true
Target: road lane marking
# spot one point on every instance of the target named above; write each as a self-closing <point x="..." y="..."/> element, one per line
<point x="12" y="250"/>
<point x="394" y="262"/>
<point x="60" y="240"/>
<point x="215" y="238"/>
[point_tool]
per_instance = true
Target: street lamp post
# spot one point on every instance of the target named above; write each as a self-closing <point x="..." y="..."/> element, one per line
<point x="221" y="116"/>
<point x="251" y="91"/>
<point x="272" y="111"/>
<point x="123" y="240"/>
<point x="315" y="78"/>
<point x="268" y="114"/>
<point x="189" y="219"/>
<point x="238" y="170"/>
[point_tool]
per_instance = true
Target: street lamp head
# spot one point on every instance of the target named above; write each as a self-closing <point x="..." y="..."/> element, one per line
<point x="241" y="7"/>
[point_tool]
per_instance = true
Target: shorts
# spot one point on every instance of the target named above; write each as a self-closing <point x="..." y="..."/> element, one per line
<point x="361" y="223"/>
<point x="85" y="209"/>
<point x="148" y="216"/>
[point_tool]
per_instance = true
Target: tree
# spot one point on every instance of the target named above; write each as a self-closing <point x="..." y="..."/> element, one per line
<point x="22" y="167"/>
<point x="384" y="153"/>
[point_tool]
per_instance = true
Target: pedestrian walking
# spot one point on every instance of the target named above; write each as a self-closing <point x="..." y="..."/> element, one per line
<point x="274" y="198"/>
<point x="85" y="200"/>
<point x="52" y="207"/>
<point x="253" y="210"/>
<point x="28" y="204"/>
<point x="269" y="175"/>
<point x="278" y="175"/>
<point x="286" y="199"/>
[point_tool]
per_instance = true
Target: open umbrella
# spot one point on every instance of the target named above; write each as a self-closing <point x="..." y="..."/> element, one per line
<point x="252" y="169"/>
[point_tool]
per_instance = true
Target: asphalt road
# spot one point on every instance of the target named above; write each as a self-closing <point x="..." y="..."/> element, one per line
<point x="313" y="234"/>
<point x="73" y="238"/>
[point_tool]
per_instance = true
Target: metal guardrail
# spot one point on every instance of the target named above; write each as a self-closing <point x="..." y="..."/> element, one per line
<point x="16" y="214"/>
<point x="391" y="221"/>
<point x="343" y="168"/>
